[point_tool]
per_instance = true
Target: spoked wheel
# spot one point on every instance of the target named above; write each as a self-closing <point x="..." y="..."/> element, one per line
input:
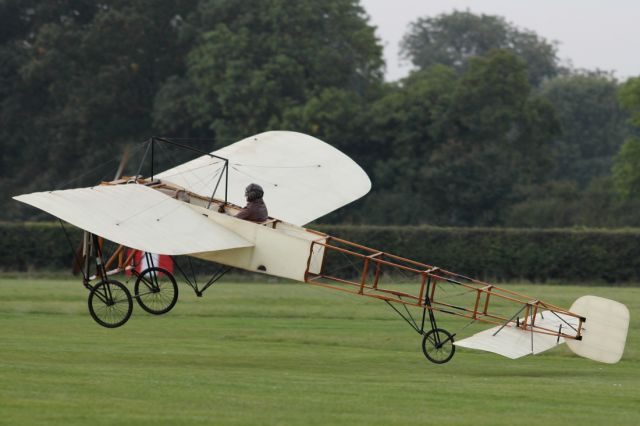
<point x="156" y="290"/>
<point x="437" y="346"/>
<point x="110" y="304"/>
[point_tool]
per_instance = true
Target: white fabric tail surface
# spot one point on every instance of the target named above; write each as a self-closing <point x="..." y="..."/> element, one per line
<point x="513" y="342"/>
<point x="604" y="332"/>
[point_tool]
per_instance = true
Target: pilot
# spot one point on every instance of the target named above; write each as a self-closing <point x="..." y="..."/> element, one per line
<point x="255" y="210"/>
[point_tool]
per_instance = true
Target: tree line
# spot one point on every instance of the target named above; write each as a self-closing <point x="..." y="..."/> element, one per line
<point x="490" y="129"/>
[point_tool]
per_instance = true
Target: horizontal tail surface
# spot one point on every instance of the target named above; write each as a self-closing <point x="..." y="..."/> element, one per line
<point x="513" y="342"/>
<point x="603" y="333"/>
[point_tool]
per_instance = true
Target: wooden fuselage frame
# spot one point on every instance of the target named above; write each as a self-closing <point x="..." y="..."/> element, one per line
<point x="430" y="279"/>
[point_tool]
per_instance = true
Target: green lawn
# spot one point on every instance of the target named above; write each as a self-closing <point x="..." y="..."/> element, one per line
<point x="287" y="354"/>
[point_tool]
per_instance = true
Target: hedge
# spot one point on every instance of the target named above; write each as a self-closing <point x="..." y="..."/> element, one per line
<point x="35" y="246"/>
<point x="611" y="256"/>
<point x="537" y="255"/>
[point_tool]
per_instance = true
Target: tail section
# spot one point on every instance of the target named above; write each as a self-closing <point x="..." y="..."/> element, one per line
<point x="604" y="332"/>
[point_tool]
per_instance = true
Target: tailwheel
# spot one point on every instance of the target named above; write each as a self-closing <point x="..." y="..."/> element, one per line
<point x="437" y="346"/>
<point x="110" y="304"/>
<point x="156" y="290"/>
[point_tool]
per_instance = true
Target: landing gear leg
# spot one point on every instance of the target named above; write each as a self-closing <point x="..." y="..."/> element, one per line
<point x="437" y="343"/>
<point x="110" y="303"/>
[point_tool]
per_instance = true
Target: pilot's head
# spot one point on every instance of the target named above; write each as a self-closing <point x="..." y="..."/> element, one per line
<point x="253" y="192"/>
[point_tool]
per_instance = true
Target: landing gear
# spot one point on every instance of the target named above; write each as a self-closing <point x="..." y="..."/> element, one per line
<point x="437" y="346"/>
<point x="110" y="304"/>
<point x="437" y="343"/>
<point x="156" y="290"/>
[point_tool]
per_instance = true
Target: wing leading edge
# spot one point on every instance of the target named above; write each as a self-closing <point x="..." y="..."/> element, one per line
<point x="137" y="217"/>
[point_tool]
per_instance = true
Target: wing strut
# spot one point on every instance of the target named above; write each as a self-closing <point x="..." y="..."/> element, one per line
<point x="192" y="281"/>
<point x="225" y="170"/>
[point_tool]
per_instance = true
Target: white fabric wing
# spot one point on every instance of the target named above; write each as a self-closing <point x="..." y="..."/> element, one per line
<point x="137" y="217"/>
<point x="303" y="178"/>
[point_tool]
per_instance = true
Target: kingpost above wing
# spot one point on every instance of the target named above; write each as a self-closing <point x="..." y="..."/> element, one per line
<point x="137" y="217"/>
<point x="303" y="177"/>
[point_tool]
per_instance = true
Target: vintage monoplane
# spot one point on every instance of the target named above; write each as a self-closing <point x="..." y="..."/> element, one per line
<point x="189" y="211"/>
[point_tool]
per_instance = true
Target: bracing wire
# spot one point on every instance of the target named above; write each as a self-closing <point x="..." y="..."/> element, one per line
<point x="265" y="166"/>
<point x="95" y="169"/>
<point x="186" y="175"/>
<point x="253" y="177"/>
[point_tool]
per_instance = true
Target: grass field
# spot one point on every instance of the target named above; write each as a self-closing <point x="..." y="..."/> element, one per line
<point x="287" y="354"/>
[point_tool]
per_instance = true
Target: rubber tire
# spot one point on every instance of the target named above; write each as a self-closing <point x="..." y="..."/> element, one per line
<point x="428" y="347"/>
<point x="93" y="299"/>
<point x="166" y="308"/>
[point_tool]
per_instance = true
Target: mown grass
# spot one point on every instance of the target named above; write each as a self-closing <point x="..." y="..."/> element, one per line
<point x="287" y="354"/>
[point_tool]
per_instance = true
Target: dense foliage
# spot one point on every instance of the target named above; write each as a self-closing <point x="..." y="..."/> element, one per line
<point x="452" y="39"/>
<point x="626" y="171"/>
<point x="488" y="130"/>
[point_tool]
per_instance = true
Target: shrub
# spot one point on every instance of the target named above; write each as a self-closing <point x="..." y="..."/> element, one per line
<point x="611" y="256"/>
